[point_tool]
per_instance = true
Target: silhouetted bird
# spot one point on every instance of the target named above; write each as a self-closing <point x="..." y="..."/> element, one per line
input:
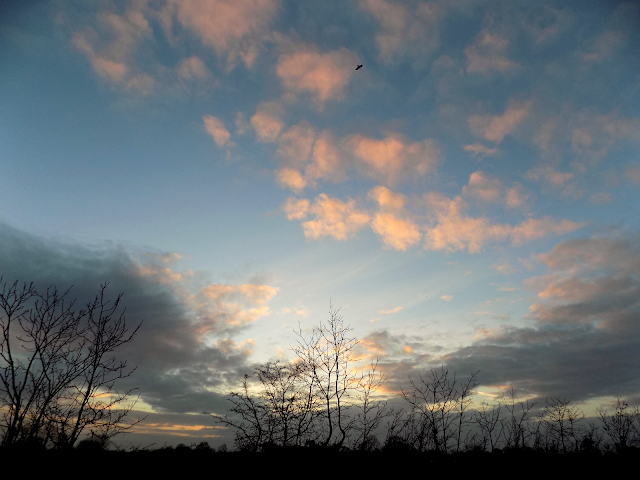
<point x="358" y="67"/>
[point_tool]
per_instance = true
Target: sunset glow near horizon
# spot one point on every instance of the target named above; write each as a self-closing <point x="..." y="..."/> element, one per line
<point x="469" y="197"/>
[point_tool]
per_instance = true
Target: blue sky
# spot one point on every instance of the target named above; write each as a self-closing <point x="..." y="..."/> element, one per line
<point x="471" y="189"/>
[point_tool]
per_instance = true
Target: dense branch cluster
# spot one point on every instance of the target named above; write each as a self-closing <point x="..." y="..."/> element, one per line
<point x="57" y="368"/>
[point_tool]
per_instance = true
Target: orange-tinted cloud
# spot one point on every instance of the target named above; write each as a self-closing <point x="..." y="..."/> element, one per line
<point x="296" y="209"/>
<point x="483" y="188"/>
<point x="453" y="230"/>
<point x="240" y="304"/>
<point x="480" y="151"/>
<point x="291" y="178"/>
<point x="391" y="159"/>
<point x="294" y="145"/>
<point x="396" y="232"/>
<point x="390" y="222"/>
<point x="215" y="127"/>
<point x="113" y="60"/>
<point x="334" y="218"/>
<point x="193" y="68"/>
<point x="323" y="76"/>
<point x="236" y="29"/>
<point x="267" y="121"/>
<point x="496" y="127"/>
<point x="515" y="197"/>
<point x="327" y="161"/>
<point x="404" y="30"/>
<point x="387" y="199"/>
<point x="489" y="54"/>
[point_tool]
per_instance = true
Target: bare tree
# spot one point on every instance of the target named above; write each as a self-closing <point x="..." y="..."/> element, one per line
<point x="371" y="412"/>
<point x="441" y="402"/>
<point x="560" y="420"/>
<point x="622" y="425"/>
<point x="491" y="429"/>
<point x="58" y="372"/>
<point x="281" y="411"/>
<point x="516" y="426"/>
<point x="328" y="358"/>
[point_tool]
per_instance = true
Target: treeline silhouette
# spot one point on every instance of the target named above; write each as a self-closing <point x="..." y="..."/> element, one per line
<point x="323" y="401"/>
<point x="58" y="398"/>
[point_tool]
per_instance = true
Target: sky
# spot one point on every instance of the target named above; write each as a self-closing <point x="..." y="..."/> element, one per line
<point x="468" y="197"/>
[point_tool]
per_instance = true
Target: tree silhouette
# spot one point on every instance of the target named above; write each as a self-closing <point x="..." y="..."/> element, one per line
<point x="57" y="369"/>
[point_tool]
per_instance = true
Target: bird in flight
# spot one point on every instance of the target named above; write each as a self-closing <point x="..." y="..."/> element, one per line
<point x="358" y="67"/>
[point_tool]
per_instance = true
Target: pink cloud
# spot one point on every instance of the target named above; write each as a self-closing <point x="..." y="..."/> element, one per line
<point x="394" y="157"/>
<point x="483" y="188"/>
<point x="323" y="76"/>
<point x="404" y="30"/>
<point x="241" y="304"/>
<point x="267" y="121"/>
<point x="489" y="54"/>
<point x="387" y="199"/>
<point x="480" y="151"/>
<point x="334" y="218"/>
<point x="236" y="29"/>
<point x="215" y="127"/>
<point x="496" y="127"/>
<point x="394" y="231"/>
<point x="296" y="209"/>
<point x="327" y="161"/>
<point x="113" y="60"/>
<point x="291" y="178"/>
<point x="515" y="197"/>
<point x="452" y="230"/>
<point x="191" y="68"/>
<point x="294" y="145"/>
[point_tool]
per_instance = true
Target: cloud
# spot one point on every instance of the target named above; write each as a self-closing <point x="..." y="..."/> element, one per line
<point x="387" y="199"/>
<point x="446" y="298"/>
<point x="193" y="68"/>
<point x="452" y="230"/>
<point x="396" y="232"/>
<point x="550" y="175"/>
<point x="489" y="54"/>
<point x="114" y="60"/>
<point x="292" y="179"/>
<point x="390" y="223"/>
<point x="515" y="197"/>
<point x="241" y="124"/>
<point x="483" y="188"/>
<point x="294" y="145"/>
<point x="480" y="151"/>
<point x="240" y="304"/>
<point x="393" y="158"/>
<point x="323" y="76"/>
<point x="585" y="341"/>
<point x="184" y="349"/>
<point x="389" y="160"/>
<point x="405" y="31"/>
<point x="267" y="121"/>
<point x="236" y="29"/>
<point x="327" y="161"/>
<point x="496" y="127"/>
<point x="594" y="135"/>
<point x="215" y="127"/>
<point x="334" y="218"/>
<point x="387" y="312"/>
<point x="296" y="209"/>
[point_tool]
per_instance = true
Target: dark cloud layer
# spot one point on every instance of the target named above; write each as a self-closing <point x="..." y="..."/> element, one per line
<point x="585" y="339"/>
<point x="176" y="365"/>
<point x="581" y="341"/>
